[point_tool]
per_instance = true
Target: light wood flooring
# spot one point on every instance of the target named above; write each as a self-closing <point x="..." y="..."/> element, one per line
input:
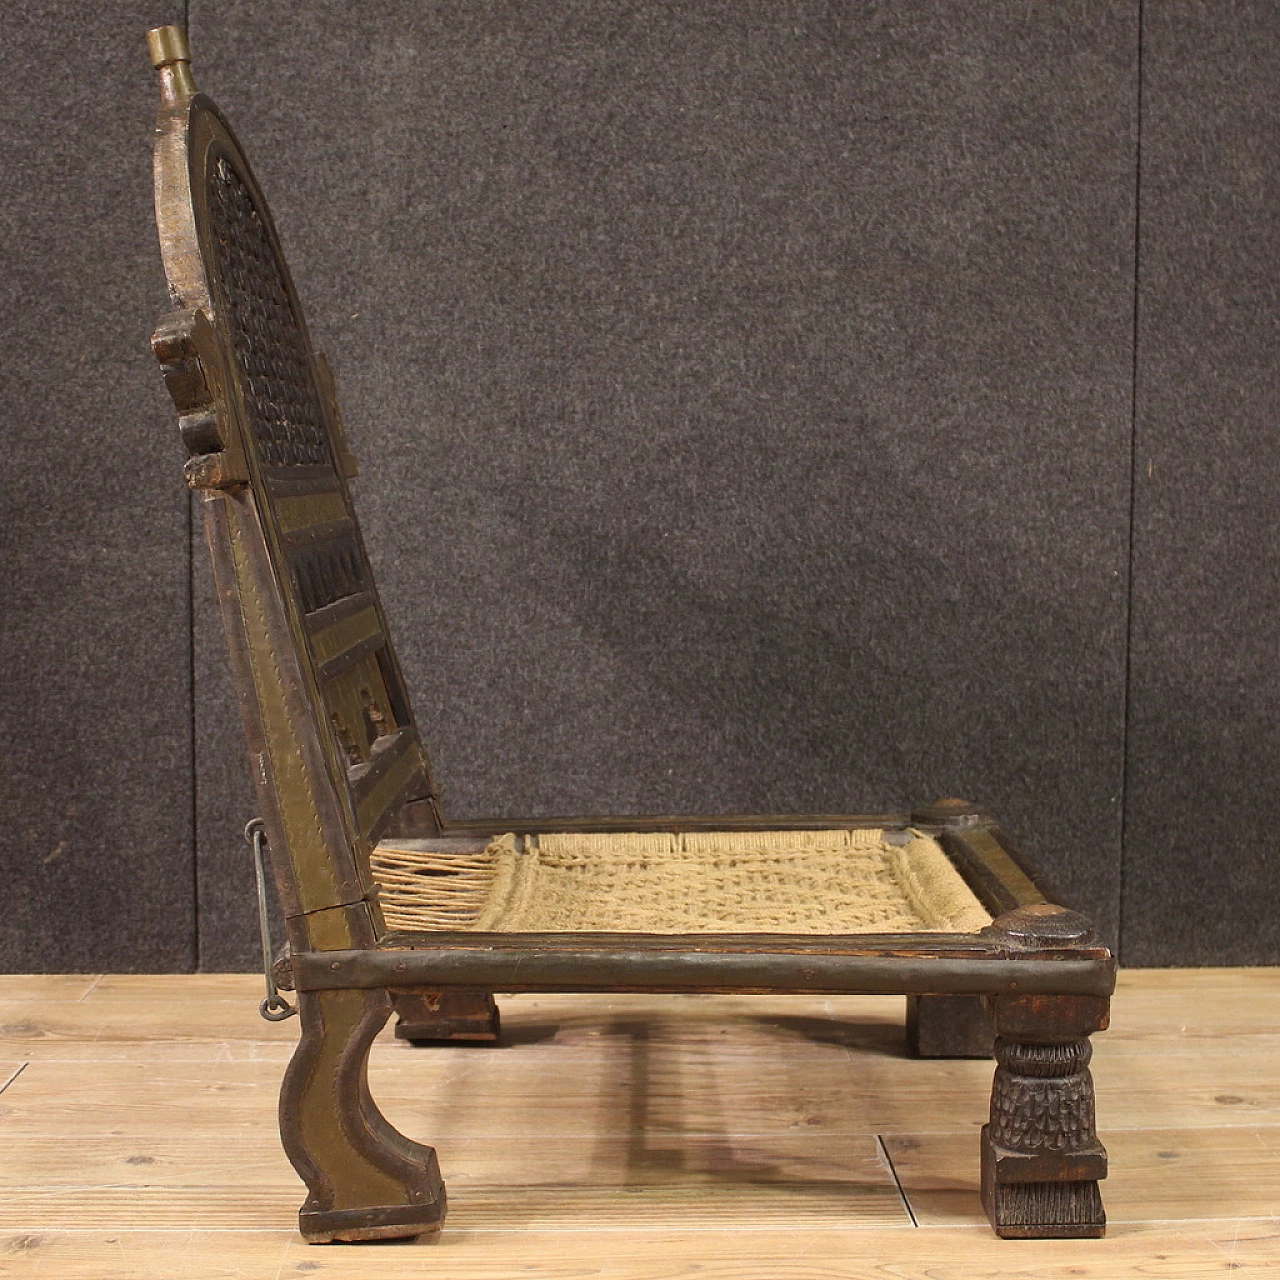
<point x="705" y="1137"/>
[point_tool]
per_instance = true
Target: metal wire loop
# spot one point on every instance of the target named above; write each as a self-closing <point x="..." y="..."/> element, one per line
<point x="275" y="1008"/>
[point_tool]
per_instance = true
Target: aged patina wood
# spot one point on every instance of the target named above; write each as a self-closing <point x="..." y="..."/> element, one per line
<point x="338" y="762"/>
<point x="335" y="749"/>
<point x="710" y="962"/>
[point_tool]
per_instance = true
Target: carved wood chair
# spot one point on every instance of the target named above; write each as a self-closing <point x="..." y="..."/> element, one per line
<point x="389" y="904"/>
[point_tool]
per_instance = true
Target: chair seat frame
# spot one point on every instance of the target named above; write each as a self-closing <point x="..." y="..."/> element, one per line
<point x="338" y="766"/>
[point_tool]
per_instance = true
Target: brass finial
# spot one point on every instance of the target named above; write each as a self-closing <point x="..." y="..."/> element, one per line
<point x="171" y="57"/>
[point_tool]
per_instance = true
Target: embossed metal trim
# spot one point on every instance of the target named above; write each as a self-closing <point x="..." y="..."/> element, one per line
<point x="336" y="647"/>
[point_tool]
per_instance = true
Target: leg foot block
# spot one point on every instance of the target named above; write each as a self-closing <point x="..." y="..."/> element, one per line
<point x="949" y="1027"/>
<point x="393" y="1222"/>
<point x="447" y="1017"/>
<point x="1026" y="1210"/>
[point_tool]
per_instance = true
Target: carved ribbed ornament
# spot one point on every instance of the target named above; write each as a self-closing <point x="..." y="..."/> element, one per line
<point x="1042" y="1100"/>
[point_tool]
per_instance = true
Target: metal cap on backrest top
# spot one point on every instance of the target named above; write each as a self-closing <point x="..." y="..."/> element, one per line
<point x="171" y="57"/>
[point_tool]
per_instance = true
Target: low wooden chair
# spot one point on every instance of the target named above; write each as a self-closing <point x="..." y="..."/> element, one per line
<point x="389" y="904"/>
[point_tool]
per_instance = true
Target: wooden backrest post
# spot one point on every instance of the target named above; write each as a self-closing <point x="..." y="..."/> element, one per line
<point x="335" y="750"/>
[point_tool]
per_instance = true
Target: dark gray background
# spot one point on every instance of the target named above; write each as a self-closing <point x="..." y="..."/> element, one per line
<point x="763" y="406"/>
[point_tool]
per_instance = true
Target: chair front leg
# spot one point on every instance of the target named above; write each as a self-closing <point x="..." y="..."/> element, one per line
<point x="1041" y="1158"/>
<point x="366" y="1181"/>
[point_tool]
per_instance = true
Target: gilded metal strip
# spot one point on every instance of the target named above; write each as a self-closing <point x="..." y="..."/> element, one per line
<point x="375" y="802"/>
<point x="296" y="482"/>
<point x="344" y="635"/>
<point x="305" y="510"/>
<point x="294" y="782"/>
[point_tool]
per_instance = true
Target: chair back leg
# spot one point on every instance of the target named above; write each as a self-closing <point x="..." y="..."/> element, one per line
<point x="366" y="1181"/>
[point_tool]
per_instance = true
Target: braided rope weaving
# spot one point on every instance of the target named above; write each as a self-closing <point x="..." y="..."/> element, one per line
<point x="866" y="881"/>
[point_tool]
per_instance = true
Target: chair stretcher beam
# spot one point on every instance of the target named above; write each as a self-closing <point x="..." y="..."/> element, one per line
<point x="622" y="963"/>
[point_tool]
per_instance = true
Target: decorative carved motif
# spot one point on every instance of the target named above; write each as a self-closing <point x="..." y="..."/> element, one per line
<point x="1042" y="1099"/>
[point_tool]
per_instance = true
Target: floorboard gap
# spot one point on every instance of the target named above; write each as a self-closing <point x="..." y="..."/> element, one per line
<point x="897" y="1182"/>
<point x="13" y="1077"/>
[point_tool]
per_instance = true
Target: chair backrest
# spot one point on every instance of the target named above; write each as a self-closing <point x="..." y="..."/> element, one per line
<point x="335" y="750"/>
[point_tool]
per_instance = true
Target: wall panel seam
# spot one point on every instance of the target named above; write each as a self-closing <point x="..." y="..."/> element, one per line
<point x="1125" y="767"/>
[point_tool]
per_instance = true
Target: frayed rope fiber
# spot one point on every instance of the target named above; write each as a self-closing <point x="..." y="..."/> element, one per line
<point x="865" y="881"/>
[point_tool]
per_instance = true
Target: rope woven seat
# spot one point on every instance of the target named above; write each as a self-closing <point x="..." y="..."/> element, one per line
<point x="390" y="905"/>
<point x="862" y="881"/>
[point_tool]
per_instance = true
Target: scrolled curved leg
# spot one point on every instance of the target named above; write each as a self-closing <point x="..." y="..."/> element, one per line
<point x="365" y="1180"/>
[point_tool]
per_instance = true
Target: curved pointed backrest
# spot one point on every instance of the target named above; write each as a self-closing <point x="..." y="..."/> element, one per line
<point x="335" y="750"/>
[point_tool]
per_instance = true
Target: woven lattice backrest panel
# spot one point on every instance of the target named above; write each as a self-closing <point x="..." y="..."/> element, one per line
<point x="867" y="881"/>
<point x="266" y="332"/>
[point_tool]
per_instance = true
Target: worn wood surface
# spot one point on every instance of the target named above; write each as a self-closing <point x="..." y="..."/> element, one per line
<point x="337" y="756"/>
<point x="627" y="1136"/>
<point x="325" y="710"/>
<point x="727" y="963"/>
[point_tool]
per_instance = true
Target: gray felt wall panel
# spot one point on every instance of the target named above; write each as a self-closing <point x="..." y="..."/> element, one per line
<point x="97" y="775"/>
<point x="743" y="392"/>
<point x="1201" y="885"/>
<point x="745" y="399"/>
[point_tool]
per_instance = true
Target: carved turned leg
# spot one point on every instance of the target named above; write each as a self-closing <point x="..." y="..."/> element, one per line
<point x="1041" y="1159"/>
<point x="446" y="1017"/>
<point x="949" y="1027"/>
<point x="365" y="1180"/>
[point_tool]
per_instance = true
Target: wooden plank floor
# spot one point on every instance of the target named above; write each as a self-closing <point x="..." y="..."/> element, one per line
<point x="631" y="1136"/>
